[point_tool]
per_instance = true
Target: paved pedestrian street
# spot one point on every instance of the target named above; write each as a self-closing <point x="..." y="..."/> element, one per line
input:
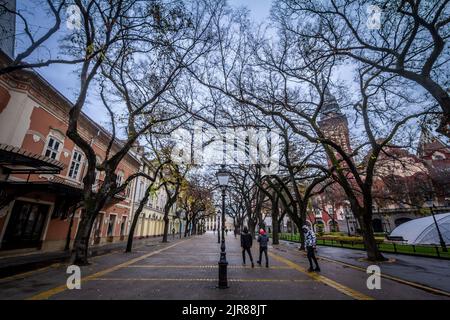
<point x="188" y="269"/>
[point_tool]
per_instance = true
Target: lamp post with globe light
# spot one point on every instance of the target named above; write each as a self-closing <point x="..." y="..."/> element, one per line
<point x="218" y="225"/>
<point x="223" y="177"/>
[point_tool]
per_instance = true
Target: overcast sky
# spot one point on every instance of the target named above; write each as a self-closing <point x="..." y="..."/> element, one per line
<point x="63" y="77"/>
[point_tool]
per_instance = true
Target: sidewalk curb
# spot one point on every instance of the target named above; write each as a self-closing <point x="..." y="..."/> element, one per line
<point x="393" y="278"/>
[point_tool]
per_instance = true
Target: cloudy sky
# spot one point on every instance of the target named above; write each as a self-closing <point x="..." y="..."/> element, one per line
<point x="63" y="77"/>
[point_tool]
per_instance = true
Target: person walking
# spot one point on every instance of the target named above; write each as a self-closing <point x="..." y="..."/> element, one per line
<point x="310" y="243"/>
<point x="246" y="244"/>
<point x="263" y="240"/>
<point x="173" y="233"/>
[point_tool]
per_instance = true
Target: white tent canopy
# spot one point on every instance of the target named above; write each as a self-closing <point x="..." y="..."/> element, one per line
<point x="423" y="230"/>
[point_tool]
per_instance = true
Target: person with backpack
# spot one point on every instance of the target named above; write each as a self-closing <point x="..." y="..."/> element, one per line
<point x="263" y="240"/>
<point x="246" y="244"/>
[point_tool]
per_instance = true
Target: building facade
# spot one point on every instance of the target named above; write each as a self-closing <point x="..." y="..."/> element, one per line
<point x="41" y="172"/>
<point x="151" y="219"/>
<point x="402" y="180"/>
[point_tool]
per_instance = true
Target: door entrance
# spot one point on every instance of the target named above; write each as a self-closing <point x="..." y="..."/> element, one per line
<point x="25" y="225"/>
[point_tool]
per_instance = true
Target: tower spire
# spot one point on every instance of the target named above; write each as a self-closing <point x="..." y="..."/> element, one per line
<point x="330" y="104"/>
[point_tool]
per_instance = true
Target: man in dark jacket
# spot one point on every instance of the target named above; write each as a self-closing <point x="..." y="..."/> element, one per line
<point x="246" y="244"/>
<point x="263" y="240"/>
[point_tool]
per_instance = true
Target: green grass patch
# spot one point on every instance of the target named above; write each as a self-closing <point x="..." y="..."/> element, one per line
<point x="357" y="243"/>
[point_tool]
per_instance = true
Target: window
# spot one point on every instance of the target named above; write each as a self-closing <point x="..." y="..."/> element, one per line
<point x="150" y="201"/>
<point x="141" y="190"/>
<point x="52" y="148"/>
<point x="123" y="226"/>
<point x="111" y="224"/>
<point x="119" y="180"/>
<point x="75" y="165"/>
<point x="95" y="186"/>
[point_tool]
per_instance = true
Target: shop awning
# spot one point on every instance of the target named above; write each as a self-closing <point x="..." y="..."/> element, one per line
<point x="17" y="160"/>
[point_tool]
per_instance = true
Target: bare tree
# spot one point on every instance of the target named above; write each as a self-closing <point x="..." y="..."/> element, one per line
<point x="196" y="201"/>
<point x="157" y="41"/>
<point x="284" y="80"/>
<point x="33" y="40"/>
<point x="407" y="41"/>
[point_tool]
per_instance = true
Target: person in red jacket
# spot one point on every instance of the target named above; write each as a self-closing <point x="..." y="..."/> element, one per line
<point x="263" y="240"/>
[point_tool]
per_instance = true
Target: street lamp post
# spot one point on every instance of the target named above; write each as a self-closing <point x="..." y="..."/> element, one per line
<point x="218" y="226"/>
<point x="430" y="204"/>
<point x="347" y="216"/>
<point x="223" y="177"/>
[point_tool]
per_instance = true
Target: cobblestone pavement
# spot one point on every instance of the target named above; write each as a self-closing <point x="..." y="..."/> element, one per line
<point x="188" y="269"/>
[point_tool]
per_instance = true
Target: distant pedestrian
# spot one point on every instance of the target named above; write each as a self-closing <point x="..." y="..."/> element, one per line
<point x="173" y="233"/>
<point x="226" y="231"/>
<point x="263" y="240"/>
<point x="246" y="244"/>
<point x="310" y="243"/>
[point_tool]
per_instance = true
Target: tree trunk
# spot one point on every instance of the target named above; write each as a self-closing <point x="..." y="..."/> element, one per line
<point x="81" y="243"/>
<point x="131" y="233"/>
<point x="251" y="227"/>
<point x="135" y="220"/>
<point x="365" y="221"/>
<point x="300" y="225"/>
<point x="166" y="227"/>
<point x="186" y="228"/>
<point x="275" y="226"/>
<point x="441" y="96"/>
<point x="194" y="227"/>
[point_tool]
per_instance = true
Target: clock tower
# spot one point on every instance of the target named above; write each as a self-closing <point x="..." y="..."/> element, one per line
<point x="333" y="122"/>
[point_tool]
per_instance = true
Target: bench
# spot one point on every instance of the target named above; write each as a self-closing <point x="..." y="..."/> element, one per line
<point x="396" y="238"/>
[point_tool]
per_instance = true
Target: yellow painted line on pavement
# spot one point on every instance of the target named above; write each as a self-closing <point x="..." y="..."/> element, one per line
<point x="49" y="293"/>
<point x="200" y="279"/>
<point x="410" y="283"/>
<point x="150" y="266"/>
<point x="56" y="265"/>
<point x="117" y="251"/>
<point x="340" y="287"/>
